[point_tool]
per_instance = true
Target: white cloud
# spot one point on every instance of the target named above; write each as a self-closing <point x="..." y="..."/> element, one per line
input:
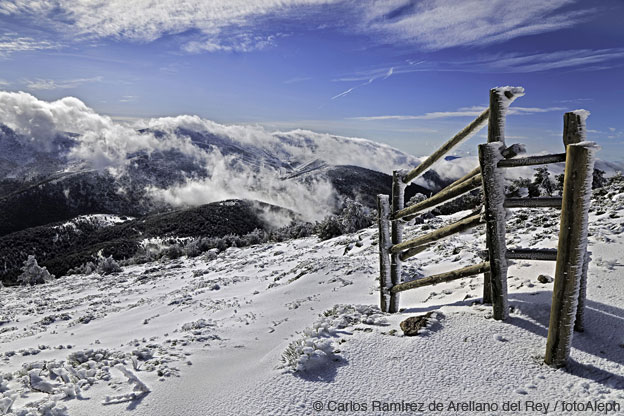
<point x="573" y="59"/>
<point x="462" y="112"/>
<point x="243" y="42"/>
<point x="552" y="60"/>
<point x="243" y="25"/>
<point x="439" y="24"/>
<point x="296" y="80"/>
<point x="12" y="43"/>
<point x="144" y="21"/>
<point x="103" y="143"/>
<point x="342" y="94"/>
<point x="50" y="84"/>
<point x="128" y="98"/>
<point x="370" y="80"/>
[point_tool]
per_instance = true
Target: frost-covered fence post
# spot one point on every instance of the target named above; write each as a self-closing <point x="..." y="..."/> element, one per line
<point x="571" y="251"/>
<point x="398" y="202"/>
<point x="500" y="99"/>
<point x="494" y="194"/>
<point x="574" y="131"/>
<point x="385" y="281"/>
<point x="574" y="123"/>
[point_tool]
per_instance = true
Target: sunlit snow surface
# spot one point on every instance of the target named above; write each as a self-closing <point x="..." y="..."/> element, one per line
<point x="203" y="337"/>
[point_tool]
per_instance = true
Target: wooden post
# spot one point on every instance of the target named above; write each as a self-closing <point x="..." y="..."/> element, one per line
<point x="385" y="282"/>
<point x="574" y="131"/>
<point x="494" y="194"/>
<point x="496" y="133"/>
<point x="496" y="120"/>
<point x="571" y="251"/>
<point x="398" y="201"/>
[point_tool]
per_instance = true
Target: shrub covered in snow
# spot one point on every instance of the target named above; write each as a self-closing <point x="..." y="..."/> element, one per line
<point x="416" y="199"/>
<point x="107" y="265"/>
<point x="86" y="268"/>
<point x="174" y="251"/>
<point x="353" y="217"/>
<point x="330" y="227"/>
<point x="33" y="274"/>
<point x="315" y="348"/>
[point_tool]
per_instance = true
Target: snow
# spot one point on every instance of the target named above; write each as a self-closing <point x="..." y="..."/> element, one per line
<point x="131" y="337"/>
<point x="99" y="220"/>
<point x="507" y="95"/>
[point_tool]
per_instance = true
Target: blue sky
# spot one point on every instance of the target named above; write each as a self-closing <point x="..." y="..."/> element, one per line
<point x="406" y="73"/>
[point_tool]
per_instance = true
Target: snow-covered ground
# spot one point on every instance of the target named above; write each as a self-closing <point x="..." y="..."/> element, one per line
<point x="208" y="335"/>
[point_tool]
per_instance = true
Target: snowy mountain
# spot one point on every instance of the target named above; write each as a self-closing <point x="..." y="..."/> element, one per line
<point x="283" y="328"/>
<point x="60" y="159"/>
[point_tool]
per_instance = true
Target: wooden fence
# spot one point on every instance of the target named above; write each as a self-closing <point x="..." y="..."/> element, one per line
<point x="571" y="255"/>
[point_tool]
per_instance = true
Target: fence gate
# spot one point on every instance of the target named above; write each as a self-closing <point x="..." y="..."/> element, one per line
<point x="571" y="256"/>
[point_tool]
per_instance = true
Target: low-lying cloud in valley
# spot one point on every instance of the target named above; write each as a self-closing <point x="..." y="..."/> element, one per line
<point x="217" y="161"/>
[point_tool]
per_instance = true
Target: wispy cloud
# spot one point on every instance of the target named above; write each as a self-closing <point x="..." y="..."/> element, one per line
<point x="12" y="43"/>
<point x="296" y="80"/>
<point x="370" y="80"/>
<point x="243" y="42"/>
<point x="239" y="25"/>
<point x="440" y="24"/>
<point x="573" y="58"/>
<point x="462" y="112"/>
<point x="615" y="133"/>
<point x="342" y="94"/>
<point x="128" y="98"/>
<point x="219" y="25"/>
<point x="50" y="84"/>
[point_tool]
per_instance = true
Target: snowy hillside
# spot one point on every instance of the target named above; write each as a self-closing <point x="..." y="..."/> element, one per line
<point x="256" y="331"/>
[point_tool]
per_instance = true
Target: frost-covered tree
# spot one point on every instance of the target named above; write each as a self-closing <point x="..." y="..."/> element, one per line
<point x="541" y="179"/>
<point x="559" y="183"/>
<point x="330" y="227"/>
<point x="518" y="188"/>
<point x="355" y="216"/>
<point x="598" y="179"/>
<point x="33" y="274"/>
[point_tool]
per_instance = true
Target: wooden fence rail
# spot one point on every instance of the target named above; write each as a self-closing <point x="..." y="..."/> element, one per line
<point x="494" y="156"/>
<point x="442" y="277"/>
<point x="541" y="202"/>
<point x="476" y="125"/>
